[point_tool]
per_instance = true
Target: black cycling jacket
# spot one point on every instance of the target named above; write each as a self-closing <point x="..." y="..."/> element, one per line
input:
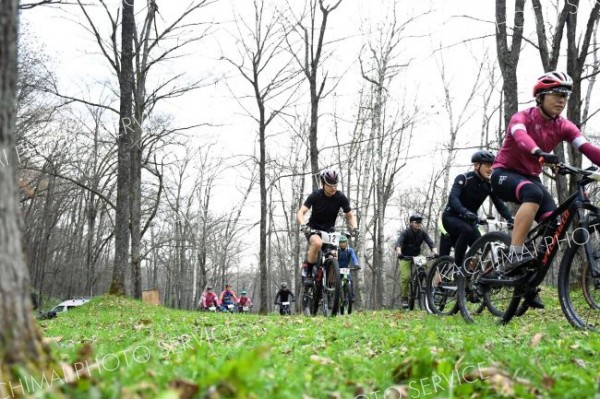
<point x="468" y="193"/>
<point x="283" y="295"/>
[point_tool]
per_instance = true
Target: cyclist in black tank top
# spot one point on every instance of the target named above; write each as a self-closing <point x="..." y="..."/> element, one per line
<point x="325" y="205"/>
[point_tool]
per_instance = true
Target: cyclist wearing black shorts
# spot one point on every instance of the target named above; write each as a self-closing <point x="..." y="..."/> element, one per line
<point x="530" y="136"/>
<point x="325" y="205"/>
<point x="467" y="194"/>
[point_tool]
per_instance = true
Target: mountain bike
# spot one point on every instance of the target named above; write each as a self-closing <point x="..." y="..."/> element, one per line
<point x="417" y="282"/>
<point x="346" y="296"/>
<point x="285" y="308"/>
<point x="326" y="288"/>
<point x="441" y="285"/>
<point x="579" y="272"/>
<point x="244" y="308"/>
<point x="442" y="280"/>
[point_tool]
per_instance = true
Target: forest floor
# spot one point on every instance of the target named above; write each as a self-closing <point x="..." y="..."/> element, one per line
<point x="121" y="348"/>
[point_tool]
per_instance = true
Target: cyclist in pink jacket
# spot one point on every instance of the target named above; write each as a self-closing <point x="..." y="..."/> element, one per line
<point x="209" y="298"/>
<point x="531" y="136"/>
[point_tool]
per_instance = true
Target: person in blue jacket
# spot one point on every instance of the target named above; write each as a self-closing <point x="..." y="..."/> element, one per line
<point x="346" y="255"/>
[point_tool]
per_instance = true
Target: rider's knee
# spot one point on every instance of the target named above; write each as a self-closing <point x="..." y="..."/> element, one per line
<point x="316" y="242"/>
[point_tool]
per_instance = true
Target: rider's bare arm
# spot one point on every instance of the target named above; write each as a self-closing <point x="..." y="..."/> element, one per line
<point x="351" y="220"/>
<point x="300" y="215"/>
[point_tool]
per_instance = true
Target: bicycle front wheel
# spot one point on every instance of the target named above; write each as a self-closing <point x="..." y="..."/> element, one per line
<point x="412" y="287"/>
<point x="441" y="285"/>
<point x="333" y="286"/>
<point x="578" y="290"/>
<point x="316" y="297"/>
<point x="344" y="298"/>
<point x="349" y="289"/>
<point x="485" y="255"/>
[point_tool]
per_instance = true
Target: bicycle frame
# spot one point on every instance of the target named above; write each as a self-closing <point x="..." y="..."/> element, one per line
<point x="570" y="212"/>
<point x="418" y="273"/>
<point x="327" y="255"/>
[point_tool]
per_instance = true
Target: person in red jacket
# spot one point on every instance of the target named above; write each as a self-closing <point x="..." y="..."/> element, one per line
<point x="209" y="298"/>
<point x="244" y="300"/>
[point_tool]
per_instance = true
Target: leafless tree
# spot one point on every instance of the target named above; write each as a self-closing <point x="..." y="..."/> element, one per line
<point x="508" y="55"/>
<point x="458" y="117"/>
<point x="312" y="36"/>
<point x="123" y="210"/>
<point x="21" y="347"/>
<point x="386" y="136"/>
<point x="577" y="52"/>
<point x="261" y="64"/>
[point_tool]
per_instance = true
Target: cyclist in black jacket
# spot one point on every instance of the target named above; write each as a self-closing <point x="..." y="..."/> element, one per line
<point x="283" y="295"/>
<point x="409" y="243"/>
<point x="468" y="193"/>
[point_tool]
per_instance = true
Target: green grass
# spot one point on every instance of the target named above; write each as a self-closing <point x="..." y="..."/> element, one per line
<point x="181" y="354"/>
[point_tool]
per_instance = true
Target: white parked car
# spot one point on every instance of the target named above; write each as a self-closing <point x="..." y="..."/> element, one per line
<point x="66" y="305"/>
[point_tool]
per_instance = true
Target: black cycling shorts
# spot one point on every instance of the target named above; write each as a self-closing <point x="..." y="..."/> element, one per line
<point x="513" y="187"/>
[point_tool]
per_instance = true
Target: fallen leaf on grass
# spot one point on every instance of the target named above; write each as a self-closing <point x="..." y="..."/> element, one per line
<point x="396" y="392"/>
<point x="536" y="340"/>
<point x="321" y="360"/>
<point x="404" y="370"/>
<point x="69" y="374"/>
<point x="185" y="389"/>
<point x="500" y="380"/>
<point x="286" y="351"/>
<point x="503" y="384"/>
<point x="223" y="390"/>
<point x="548" y="382"/>
<point x="359" y="391"/>
<point x="52" y="340"/>
<point x="398" y="316"/>
<point x="581" y="363"/>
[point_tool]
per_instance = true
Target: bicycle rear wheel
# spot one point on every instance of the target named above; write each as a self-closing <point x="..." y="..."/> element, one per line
<point x="441" y="286"/>
<point x="333" y="286"/>
<point x="578" y="291"/>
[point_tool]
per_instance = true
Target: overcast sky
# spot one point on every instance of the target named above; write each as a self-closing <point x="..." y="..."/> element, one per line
<point x="446" y="25"/>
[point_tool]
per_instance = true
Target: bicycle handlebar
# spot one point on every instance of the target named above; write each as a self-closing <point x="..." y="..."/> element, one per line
<point x="408" y="257"/>
<point x="565" y="169"/>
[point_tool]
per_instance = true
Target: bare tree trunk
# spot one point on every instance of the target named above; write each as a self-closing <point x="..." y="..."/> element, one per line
<point x="262" y="256"/>
<point x="577" y="51"/>
<point x="260" y="51"/>
<point x="136" y="204"/>
<point x="21" y="347"/>
<point x="122" y="218"/>
<point x="313" y="50"/>
<point x="508" y="57"/>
